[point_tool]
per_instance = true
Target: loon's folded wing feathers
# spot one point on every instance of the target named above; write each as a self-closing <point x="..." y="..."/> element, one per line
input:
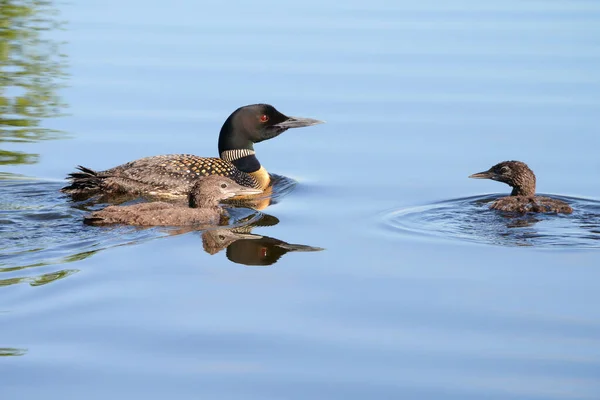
<point x="176" y="171"/>
<point x="173" y="173"/>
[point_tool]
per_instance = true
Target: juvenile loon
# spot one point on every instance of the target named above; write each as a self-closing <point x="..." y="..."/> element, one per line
<point x="175" y="173"/>
<point x="522" y="199"/>
<point x="203" y="201"/>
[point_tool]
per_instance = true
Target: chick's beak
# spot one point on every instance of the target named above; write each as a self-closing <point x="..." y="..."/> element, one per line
<point x="483" y="175"/>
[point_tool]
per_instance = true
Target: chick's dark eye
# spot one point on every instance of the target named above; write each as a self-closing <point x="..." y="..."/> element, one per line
<point x="264" y="118"/>
<point x="223" y="185"/>
<point x="504" y="169"/>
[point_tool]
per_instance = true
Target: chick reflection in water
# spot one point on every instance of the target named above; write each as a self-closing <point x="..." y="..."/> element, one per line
<point x="203" y="207"/>
<point x="244" y="247"/>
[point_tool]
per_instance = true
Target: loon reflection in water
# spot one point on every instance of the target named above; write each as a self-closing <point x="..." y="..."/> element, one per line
<point x="522" y="198"/>
<point x="244" y="247"/>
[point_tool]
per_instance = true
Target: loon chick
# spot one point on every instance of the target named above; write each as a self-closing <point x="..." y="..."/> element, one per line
<point x="522" y="199"/>
<point x="203" y="201"/>
<point x="174" y="174"/>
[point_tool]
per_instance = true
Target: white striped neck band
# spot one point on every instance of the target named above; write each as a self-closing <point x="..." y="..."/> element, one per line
<point x="232" y="155"/>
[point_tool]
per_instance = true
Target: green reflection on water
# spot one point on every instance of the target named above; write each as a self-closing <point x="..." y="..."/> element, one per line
<point x="11" y="352"/>
<point x="41" y="279"/>
<point x="31" y="72"/>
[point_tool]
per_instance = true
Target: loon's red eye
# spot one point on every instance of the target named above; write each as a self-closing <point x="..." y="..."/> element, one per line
<point x="264" y="118"/>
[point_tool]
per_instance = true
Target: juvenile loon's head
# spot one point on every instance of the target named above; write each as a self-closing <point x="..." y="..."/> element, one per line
<point x="254" y="123"/>
<point x="209" y="190"/>
<point x="514" y="173"/>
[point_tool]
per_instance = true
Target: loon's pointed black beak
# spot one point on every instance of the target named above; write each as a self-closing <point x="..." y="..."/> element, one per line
<point x="484" y="175"/>
<point x="291" y="122"/>
<point x="298" y="122"/>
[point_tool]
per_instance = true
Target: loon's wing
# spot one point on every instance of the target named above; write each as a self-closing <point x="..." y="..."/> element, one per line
<point x="172" y="174"/>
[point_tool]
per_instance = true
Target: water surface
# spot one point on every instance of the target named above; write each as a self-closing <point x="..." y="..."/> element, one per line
<point x="416" y="95"/>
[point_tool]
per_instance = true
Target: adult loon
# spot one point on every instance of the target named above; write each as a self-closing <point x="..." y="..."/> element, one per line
<point x="522" y="199"/>
<point x="174" y="174"/>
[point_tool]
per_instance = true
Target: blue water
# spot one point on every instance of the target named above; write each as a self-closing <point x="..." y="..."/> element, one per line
<point x="417" y="96"/>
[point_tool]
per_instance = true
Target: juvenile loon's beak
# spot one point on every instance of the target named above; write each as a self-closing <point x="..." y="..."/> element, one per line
<point x="298" y="122"/>
<point x="243" y="191"/>
<point x="483" y="175"/>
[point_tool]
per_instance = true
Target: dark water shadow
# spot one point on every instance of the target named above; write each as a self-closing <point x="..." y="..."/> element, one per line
<point x="470" y="219"/>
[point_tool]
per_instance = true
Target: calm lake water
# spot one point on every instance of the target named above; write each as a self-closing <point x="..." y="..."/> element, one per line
<point x="368" y="279"/>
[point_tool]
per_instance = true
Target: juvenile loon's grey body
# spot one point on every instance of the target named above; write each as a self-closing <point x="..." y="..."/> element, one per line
<point x="203" y="207"/>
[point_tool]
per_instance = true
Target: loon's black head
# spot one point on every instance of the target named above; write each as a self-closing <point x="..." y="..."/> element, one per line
<point x="254" y="123"/>
<point x="514" y="173"/>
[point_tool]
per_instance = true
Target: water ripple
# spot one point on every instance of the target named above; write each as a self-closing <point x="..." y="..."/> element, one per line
<point x="470" y="219"/>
